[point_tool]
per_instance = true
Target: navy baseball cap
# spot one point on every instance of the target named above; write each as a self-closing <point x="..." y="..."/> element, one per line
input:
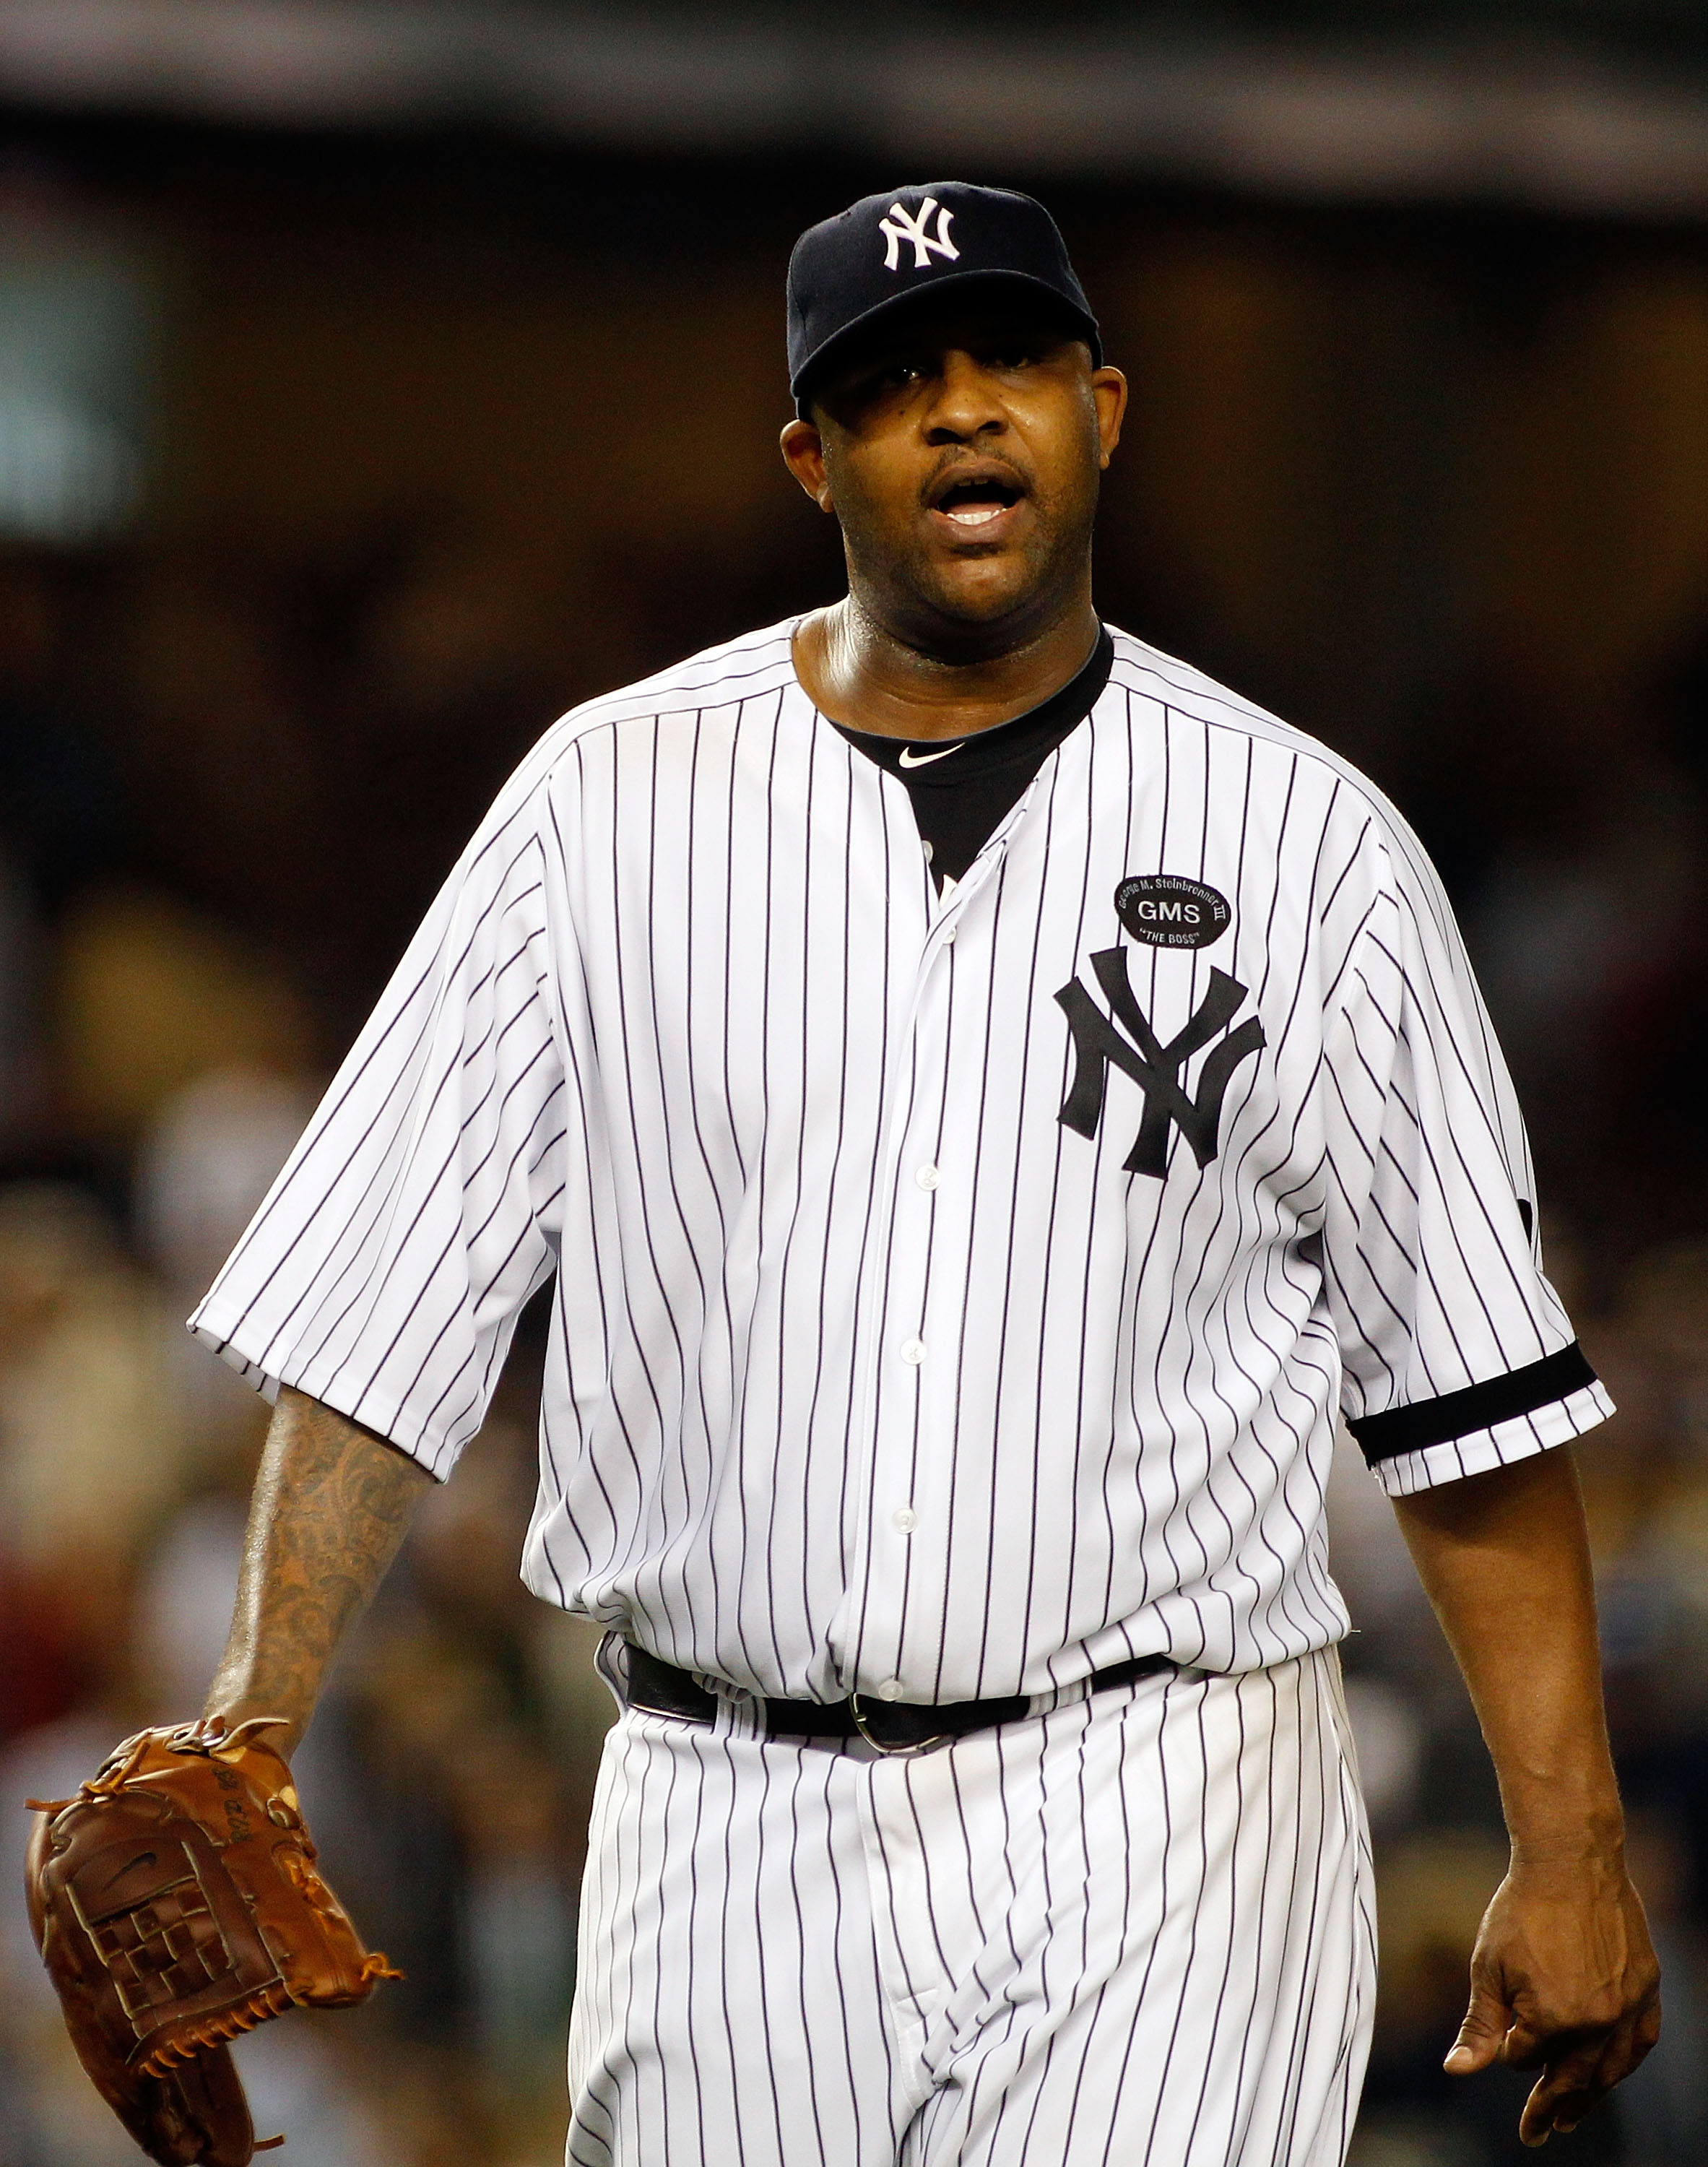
<point x="889" y="249"/>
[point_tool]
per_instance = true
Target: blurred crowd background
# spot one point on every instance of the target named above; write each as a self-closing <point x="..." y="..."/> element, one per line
<point x="376" y="382"/>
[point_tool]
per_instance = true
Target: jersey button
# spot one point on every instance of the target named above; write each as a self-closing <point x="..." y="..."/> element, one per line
<point x="949" y="933"/>
<point x="907" y="1520"/>
<point x="913" y="1350"/>
<point x="927" y="1177"/>
<point x="891" y="1689"/>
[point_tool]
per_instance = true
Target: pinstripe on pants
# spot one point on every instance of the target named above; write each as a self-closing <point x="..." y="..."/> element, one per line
<point x="1135" y="1930"/>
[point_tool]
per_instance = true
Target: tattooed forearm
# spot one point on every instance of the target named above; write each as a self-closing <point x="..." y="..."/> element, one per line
<point x="331" y="1503"/>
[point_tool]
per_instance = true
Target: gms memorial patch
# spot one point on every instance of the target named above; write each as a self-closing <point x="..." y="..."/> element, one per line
<point x="1167" y="910"/>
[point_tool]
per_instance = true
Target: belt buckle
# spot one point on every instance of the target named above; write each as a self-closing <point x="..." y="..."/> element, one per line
<point x="909" y="1752"/>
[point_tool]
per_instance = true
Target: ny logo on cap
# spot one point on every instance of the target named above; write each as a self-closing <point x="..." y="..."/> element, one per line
<point x="899" y="227"/>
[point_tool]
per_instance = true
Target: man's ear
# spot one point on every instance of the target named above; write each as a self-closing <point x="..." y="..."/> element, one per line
<point x="803" y="454"/>
<point x="1109" y="396"/>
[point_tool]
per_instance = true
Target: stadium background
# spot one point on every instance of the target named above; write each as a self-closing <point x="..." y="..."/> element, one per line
<point x="377" y="381"/>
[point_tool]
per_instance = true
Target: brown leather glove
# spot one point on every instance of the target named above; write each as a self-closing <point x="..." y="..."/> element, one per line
<point x="176" y="1903"/>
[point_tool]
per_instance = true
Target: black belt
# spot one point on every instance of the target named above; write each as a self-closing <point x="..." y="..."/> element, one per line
<point x="891" y="1726"/>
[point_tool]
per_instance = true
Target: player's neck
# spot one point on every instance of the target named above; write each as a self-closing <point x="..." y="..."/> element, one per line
<point x="868" y="678"/>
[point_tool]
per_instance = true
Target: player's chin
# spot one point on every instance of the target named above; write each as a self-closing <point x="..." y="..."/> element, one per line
<point x="984" y="588"/>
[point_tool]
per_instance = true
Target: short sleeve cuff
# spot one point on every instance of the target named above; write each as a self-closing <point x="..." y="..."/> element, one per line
<point x="269" y="1371"/>
<point x="205" y="1328"/>
<point x="1495" y="1444"/>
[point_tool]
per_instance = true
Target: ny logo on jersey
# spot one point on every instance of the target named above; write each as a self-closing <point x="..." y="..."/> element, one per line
<point x="1154" y="1067"/>
<point x="899" y="227"/>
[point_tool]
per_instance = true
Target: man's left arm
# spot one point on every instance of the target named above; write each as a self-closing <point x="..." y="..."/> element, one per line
<point x="1563" y="1978"/>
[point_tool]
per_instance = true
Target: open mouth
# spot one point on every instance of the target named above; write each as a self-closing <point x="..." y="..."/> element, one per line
<point x="974" y="502"/>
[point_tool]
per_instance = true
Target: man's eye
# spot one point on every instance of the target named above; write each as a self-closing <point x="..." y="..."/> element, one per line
<point x="1015" y="357"/>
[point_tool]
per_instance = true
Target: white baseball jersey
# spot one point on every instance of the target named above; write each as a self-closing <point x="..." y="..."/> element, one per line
<point x="955" y="1294"/>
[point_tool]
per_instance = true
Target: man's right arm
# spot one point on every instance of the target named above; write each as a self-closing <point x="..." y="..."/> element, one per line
<point x="331" y="1504"/>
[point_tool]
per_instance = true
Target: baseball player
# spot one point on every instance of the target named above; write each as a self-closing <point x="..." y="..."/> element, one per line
<point x="990" y="1099"/>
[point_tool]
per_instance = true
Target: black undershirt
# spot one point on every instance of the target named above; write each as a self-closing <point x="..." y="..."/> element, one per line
<point x="962" y="792"/>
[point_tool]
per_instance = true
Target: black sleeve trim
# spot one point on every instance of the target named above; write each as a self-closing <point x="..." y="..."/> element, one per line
<point x="1479" y="1407"/>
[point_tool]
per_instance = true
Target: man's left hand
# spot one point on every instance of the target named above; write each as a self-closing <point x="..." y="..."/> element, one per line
<point x="1564" y="1979"/>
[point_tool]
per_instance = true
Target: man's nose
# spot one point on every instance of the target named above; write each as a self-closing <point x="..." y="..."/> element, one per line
<point x="966" y="404"/>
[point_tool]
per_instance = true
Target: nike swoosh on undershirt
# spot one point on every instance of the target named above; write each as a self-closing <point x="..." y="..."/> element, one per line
<point x="911" y="759"/>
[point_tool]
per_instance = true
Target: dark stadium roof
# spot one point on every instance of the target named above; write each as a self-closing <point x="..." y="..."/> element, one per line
<point x="1594" y="105"/>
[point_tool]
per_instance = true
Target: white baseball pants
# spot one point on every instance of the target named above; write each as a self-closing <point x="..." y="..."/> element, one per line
<point x="1138" y="1929"/>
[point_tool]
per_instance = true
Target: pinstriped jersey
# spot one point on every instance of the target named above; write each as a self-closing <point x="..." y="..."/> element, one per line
<point x="955" y="1294"/>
